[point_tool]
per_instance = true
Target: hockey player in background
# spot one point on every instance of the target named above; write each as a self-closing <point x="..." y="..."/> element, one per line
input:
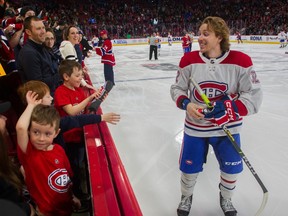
<point x="282" y="37"/>
<point x="238" y="37"/>
<point x="159" y="38"/>
<point x="170" y="39"/>
<point x="186" y="43"/>
<point x="191" y="37"/>
<point x="108" y="59"/>
<point x="95" y="41"/>
<point x="231" y="84"/>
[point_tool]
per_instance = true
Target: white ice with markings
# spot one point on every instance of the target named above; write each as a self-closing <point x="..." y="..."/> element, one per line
<point x="149" y="136"/>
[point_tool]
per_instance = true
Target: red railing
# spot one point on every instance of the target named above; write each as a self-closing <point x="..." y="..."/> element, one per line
<point x="110" y="187"/>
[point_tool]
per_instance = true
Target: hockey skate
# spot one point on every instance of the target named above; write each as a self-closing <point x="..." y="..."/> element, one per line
<point x="184" y="206"/>
<point x="227" y="207"/>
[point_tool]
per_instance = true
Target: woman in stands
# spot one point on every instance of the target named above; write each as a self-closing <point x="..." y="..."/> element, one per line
<point x="68" y="51"/>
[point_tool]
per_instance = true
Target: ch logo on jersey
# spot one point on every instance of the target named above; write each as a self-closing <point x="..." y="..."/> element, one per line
<point x="213" y="90"/>
<point x="59" y="180"/>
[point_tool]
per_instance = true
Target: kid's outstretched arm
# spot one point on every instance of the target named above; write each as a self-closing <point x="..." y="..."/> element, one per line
<point x="24" y="120"/>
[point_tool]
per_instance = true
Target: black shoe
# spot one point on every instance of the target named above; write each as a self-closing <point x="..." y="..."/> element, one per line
<point x="184" y="206"/>
<point x="227" y="206"/>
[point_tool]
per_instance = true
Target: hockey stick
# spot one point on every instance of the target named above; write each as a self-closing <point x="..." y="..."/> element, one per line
<point x="96" y="103"/>
<point x="238" y="149"/>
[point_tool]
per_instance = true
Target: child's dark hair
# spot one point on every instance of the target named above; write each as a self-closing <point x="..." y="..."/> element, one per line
<point x="44" y="114"/>
<point x="67" y="66"/>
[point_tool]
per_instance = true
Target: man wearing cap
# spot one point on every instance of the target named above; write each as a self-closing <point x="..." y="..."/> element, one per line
<point x="107" y="54"/>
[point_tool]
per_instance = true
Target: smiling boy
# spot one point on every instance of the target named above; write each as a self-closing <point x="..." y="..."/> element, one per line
<point x="46" y="166"/>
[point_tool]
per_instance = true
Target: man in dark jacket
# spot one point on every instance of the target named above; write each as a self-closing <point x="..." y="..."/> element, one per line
<point x="34" y="61"/>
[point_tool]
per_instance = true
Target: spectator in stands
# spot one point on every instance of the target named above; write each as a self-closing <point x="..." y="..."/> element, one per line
<point x="49" y="44"/>
<point x="66" y="122"/>
<point x="70" y="100"/>
<point x="3" y="6"/>
<point x="10" y="182"/>
<point x="36" y="129"/>
<point x="34" y="62"/>
<point x="71" y="38"/>
<point x="69" y="48"/>
<point x="7" y="59"/>
<point x="59" y="29"/>
<point x="84" y="45"/>
<point x="20" y="37"/>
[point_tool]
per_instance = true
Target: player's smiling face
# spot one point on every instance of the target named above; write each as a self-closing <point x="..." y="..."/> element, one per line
<point x="209" y="43"/>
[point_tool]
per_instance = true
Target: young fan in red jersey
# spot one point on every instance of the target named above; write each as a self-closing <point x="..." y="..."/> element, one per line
<point x="108" y="59"/>
<point x="46" y="166"/>
<point x="186" y="43"/>
<point x="228" y="79"/>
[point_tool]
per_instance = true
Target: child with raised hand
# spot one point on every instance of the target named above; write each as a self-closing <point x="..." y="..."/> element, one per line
<point x="46" y="165"/>
<point x="66" y="122"/>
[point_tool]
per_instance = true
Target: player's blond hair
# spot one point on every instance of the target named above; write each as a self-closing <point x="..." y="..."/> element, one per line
<point x="220" y="28"/>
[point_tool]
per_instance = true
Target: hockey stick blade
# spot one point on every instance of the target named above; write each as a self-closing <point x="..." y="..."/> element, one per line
<point x="238" y="149"/>
<point x="96" y="103"/>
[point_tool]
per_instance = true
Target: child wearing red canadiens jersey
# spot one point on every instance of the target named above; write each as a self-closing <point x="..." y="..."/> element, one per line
<point x="186" y="43"/>
<point x="47" y="168"/>
<point x="70" y="98"/>
<point x="228" y="79"/>
<point x="107" y="56"/>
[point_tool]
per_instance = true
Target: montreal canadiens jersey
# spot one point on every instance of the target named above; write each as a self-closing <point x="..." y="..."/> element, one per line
<point x="282" y="35"/>
<point x="231" y="74"/>
<point x="185" y="42"/>
<point x="106" y="51"/>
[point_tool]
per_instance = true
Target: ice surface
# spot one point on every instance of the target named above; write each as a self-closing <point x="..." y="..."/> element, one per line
<point x="148" y="138"/>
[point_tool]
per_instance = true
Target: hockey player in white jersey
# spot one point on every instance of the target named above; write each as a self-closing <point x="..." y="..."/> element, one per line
<point x="158" y="36"/>
<point x="282" y="38"/>
<point x="170" y="38"/>
<point x="228" y="79"/>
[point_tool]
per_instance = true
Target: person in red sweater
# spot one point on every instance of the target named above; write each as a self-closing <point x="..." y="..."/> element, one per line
<point x="47" y="168"/>
<point x="186" y="43"/>
<point x="107" y="54"/>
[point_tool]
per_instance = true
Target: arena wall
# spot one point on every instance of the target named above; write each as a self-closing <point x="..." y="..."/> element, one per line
<point x="262" y="39"/>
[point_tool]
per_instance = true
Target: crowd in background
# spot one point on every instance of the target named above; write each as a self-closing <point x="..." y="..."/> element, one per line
<point x="139" y="18"/>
